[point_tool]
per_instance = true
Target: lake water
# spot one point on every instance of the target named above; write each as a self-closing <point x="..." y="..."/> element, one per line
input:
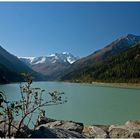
<point x="88" y="103"/>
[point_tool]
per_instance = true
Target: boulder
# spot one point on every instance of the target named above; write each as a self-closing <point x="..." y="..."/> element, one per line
<point x="123" y="131"/>
<point x="69" y="125"/>
<point x="117" y="131"/>
<point x="104" y="127"/>
<point x="43" y="132"/>
<point x="133" y="124"/>
<point x="135" y="134"/>
<point x="24" y="131"/>
<point x="44" y="120"/>
<point x="94" y="132"/>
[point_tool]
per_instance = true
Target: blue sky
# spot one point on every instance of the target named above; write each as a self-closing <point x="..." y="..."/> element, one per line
<point x="41" y="28"/>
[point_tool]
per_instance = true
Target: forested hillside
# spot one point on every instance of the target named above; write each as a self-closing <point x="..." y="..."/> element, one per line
<point x="7" y="75"/>
<point x="124" y="67"/>
<point x="11" y="68"/>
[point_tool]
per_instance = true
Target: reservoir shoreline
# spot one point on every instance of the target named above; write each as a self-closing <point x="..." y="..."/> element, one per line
<point x="115" y="85"/>
<point x="87" y="102"/>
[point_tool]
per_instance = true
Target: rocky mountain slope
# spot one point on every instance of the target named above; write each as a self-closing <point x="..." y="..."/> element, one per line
<point x="123" y="67"/>
<point x="52" y="66"/>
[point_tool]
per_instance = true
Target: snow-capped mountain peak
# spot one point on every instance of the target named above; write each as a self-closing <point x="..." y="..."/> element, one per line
<point x="129" y="39"/>
<point x="63" y="57"/>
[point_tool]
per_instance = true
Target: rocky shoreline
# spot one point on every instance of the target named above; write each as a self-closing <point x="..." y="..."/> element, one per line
<point x="50" y="128"/>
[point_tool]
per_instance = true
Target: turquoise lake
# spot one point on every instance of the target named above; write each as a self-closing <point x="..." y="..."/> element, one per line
<point x="88" y="103"/>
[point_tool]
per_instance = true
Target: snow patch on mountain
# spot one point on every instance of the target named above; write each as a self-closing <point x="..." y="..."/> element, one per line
<point x="42" y="60"/>
<point x="31" y="59"/>
<point x="70" y="60"/>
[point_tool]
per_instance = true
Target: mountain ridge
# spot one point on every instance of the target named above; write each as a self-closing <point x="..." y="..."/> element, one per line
<point x="117" y="46"/>
<point x="111" y="49"/>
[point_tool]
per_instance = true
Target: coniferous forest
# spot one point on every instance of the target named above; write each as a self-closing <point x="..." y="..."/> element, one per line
<point x="122" y="68"/>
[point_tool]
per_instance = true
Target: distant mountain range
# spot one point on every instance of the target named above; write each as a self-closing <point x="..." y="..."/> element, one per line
<point x="63" y="57"/>
<point x="52" y="65"/>
<point x="101" y="65"/>
<point x="86" y="64"/>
